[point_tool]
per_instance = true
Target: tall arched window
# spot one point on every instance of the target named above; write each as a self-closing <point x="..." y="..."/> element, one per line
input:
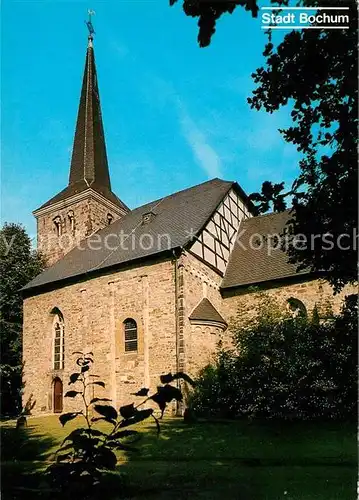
<point x="130" y="331"/>
<point x="58" y="341"/>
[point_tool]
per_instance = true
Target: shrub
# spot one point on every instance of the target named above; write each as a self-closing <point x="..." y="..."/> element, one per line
<point x="283" y="367"/>
<point x="89" y="451"/>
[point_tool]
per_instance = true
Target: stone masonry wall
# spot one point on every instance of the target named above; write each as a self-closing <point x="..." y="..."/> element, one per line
<point x="200" y="341"/>
<point x="89" y="216"/>
<point x="312" y="292"/>
<point x="93" y="313"/>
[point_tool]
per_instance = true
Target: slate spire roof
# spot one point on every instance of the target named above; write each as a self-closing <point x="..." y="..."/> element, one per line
<point x="89" y="157"/>
<point x="89" y="165"/>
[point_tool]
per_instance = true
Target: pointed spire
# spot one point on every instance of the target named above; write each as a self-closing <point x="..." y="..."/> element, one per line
<point x="89" y="157"/>
<point x="89" y="166"/>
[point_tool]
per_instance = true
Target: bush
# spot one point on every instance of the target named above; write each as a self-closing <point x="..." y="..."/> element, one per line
<point x="283" y="367"/>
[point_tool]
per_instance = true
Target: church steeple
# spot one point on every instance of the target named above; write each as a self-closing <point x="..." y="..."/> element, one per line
<point x="87" y="203"/>
<point x="89" y="156"/>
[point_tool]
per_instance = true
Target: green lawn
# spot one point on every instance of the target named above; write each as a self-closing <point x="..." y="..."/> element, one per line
<point x="224" y="460"/>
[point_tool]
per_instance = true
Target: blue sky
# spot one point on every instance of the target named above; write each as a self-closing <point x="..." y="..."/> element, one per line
<point x="174" y="115"/>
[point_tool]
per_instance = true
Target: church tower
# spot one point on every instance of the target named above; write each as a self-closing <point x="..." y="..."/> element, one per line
<point x="87" y="204"/>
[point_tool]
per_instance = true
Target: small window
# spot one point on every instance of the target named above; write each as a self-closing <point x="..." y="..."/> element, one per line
<point x="130" y="329"/>
<point x="148" y="217"/>
<point x="297" y="308"/>
<point x="57" y="224"/>
<point x="109" y="219"/>
<point x="71" y="217"/>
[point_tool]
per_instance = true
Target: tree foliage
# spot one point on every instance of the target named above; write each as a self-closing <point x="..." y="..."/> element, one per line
<point x="88" y="451"/>
<point x="314" y="73"/>
<point x="208" y="13"/>
<point x="18" y="265"/>
<point x="284" y="367"/>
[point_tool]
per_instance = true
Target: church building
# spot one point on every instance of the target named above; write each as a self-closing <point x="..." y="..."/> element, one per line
<point x="150" y="290"/>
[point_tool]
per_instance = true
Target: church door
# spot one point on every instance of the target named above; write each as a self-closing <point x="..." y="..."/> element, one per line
<point x="57" y="395"/>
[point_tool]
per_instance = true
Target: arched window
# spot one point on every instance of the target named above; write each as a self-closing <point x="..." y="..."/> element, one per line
<point x="58" y="341"/>
<point x="71" y="217"/>
<point x="130" y="330"/>
<point x="296" y="308"/>
<point x="57" y="224"/>
<point x="109" y="218"/>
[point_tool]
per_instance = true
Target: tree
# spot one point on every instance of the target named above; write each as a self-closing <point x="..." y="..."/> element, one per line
<point x="18" y="265"/>
<point x="314" y="72"/>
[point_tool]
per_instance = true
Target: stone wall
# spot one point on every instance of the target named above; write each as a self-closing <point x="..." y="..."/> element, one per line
<point x="200" y="281"/>
<point x="93" y="313"/>
<point x="89" y="215"/>
<point x="312" y="292"/>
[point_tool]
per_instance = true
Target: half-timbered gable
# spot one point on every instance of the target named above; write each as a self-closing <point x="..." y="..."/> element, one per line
<point x="215" y="243"/>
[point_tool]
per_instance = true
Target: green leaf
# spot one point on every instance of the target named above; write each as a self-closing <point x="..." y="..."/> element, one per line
<point x="127" y="411"/>
<point x="166" y="379"/>
<point x="107" y="411"/>
<point x="72" y="394"/>
<point x="66" y="417"/>
<point x="142" y="392"/>
<point x="160" y="399"/>
<point x="169" y="393"/>
<point x="85" y="368"/>
<point x="138" y="417"/>
<point x="74" y="377"/>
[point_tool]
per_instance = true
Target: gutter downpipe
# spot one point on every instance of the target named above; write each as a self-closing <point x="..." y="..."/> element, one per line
<point x="177" y="329"/>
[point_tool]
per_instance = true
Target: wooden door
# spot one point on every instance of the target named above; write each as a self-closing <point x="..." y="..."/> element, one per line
<point x="57" y="395"/>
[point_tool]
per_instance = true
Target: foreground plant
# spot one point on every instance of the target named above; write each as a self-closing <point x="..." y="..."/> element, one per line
<point x="88" y="451"/>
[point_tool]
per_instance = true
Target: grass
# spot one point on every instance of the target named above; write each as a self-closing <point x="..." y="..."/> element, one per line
<point x="224" y="460"/>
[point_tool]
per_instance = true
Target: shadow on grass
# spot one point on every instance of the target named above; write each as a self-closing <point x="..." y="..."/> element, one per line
<point x="231" y="460"/>
<point x="23" y="454"/>
<point x="244" y="461"/>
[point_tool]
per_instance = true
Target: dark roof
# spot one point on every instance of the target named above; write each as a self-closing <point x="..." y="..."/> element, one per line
<point x="205" y="311"/>
<point x="180" y="216"/>
<point x="249" y="266"/>
<point x="89" y="166"/>
<point x="80" y="187"/>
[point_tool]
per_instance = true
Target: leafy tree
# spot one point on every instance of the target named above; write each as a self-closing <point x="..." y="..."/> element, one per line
<point x="315" y="73"/>
<point x="284" y="367"/>
<point x="89" y="451"/>
<point x="18" y="265"/>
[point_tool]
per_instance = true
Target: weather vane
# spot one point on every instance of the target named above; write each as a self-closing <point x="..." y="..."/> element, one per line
<point x="89" y="23"/>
